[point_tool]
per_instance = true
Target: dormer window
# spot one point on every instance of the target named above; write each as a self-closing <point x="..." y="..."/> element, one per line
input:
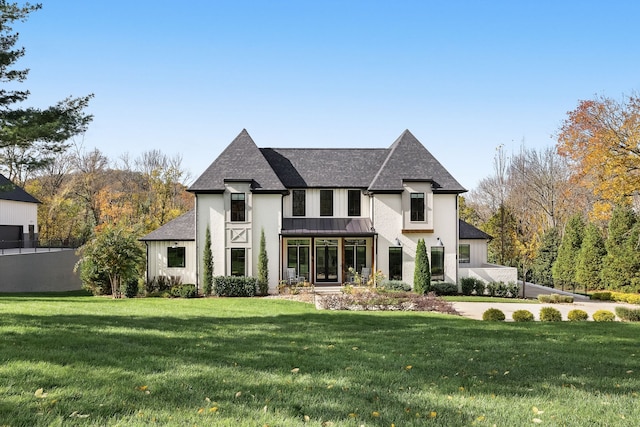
<point x="417" y="207"/>
<point x="238" y="207"/>
<point x="326" y="202"/>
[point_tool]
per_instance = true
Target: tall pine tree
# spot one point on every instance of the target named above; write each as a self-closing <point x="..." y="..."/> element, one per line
<point x="590" y="258"/>
<point x="620" y="264"/>
<point x="564" y="269"/>
<point x="545" y="258"/>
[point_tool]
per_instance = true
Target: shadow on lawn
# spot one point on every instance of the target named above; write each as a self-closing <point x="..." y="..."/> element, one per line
<point x="358" y="358"/>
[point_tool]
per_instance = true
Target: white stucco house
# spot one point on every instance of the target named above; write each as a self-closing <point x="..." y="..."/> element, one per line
<point x="18" y="216"/>
<point x="322" y="211"/>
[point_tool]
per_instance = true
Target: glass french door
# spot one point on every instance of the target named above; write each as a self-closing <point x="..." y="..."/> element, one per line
<point x="326" y="260"/>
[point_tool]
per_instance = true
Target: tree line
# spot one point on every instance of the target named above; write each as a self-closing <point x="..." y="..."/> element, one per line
<point x="567" y="215"/>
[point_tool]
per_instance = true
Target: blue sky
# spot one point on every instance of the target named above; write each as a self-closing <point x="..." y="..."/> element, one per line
<point x="463" y="76"/>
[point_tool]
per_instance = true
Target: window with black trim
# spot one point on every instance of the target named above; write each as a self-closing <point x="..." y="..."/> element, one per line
<point x="238" y="211"/>
<point x="299" y="202"/>
<point x="354" y="203"/>
<point x="395" y="263"/>
<point x="437" y="263"/>
<point x="417" y="207"/>
<point x="238" y="264"/>
<point x="464" y="253"/>
<point x="326" y="202"/>
<point x="176" y="257"/>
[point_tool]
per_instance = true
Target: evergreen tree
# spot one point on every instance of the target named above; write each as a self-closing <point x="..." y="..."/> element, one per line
<point x="632" y="248"/>
<point x="263" y="267"/>
<point x="545" y="258"/>
<point x="564" y="269"/>
<point x="207" y="262"/>
<point x="618" y="268"/>
<point x="422" y="272"/>
<point x="590" y="258"/>
<point x="30" y="137"/>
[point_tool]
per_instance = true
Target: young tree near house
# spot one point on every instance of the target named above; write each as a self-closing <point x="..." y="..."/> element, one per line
<point x="30" y="137"/>
<point x="263" y="267"/>
<point x="564" y="269"/>
<point x="422" y="273"/>
<point x="114" y="253"/>
<point x="207" y="261"/>
<point x="590" y="257"/>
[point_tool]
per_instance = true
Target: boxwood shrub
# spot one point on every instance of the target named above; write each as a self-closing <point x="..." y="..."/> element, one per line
<point x="522" y="316"/>
<point x="471" y="284"/>
<point x="444" y="288"/>
<point x="577" y="315"/>
<point x="493" y="314"/>
<point x="601" y="296"/>
<point x="550" y="314"/>
<point x="555" y="299"/>
<point x="234" y="286"/>
<point x="628" y="314"/>
<point x="604" y="316"/>
<point x="395" y="285"/>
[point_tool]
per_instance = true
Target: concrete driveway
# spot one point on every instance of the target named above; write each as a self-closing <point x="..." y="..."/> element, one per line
<point x="474" y="310"/>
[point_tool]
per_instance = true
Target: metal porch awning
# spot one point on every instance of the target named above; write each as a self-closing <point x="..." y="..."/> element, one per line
<point x="327" y="227"/>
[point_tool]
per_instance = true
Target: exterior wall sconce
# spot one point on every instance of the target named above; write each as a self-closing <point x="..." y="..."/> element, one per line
<point x="398" y="242"/>
<point x="439" y="241"/>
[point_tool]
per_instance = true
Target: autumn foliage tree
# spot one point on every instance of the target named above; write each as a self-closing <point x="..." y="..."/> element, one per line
<point x="601" y="137"/>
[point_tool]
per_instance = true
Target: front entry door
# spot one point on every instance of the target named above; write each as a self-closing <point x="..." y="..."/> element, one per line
<point x="327" y="261"/>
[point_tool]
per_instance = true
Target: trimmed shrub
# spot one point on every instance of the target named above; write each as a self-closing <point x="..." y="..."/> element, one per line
<point x="159" y="284"/>
<point x="234" y="286"/>
<point x="550" y="314"/>
<point x="522" y="316"/>
<point x="628" y="314"/>
<point x="130" y="288"/>
<point x="469" y="284"/>
<point x="184" y="291"/>
<point x="577" y="315"/>
<point x="493" y="314"/>
<point x="604" y="316"/>
<point x="625" y="297"/>
<point x="444" y="288"/>
<point x="601" y="296"/>
<point x="555" y="299"/>
<point x="395" y="285"/>
<point x="480" y="287"/>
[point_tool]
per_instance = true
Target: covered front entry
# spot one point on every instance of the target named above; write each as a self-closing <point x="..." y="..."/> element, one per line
<point x="327" y="251"/>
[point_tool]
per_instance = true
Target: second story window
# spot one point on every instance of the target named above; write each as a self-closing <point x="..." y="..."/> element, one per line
<point x="326" y="202"/>
<point x="238" y="208"/>
<point x="298" y="201"/>
<point x="354" y="203"/>
<point x="417" y="207"/>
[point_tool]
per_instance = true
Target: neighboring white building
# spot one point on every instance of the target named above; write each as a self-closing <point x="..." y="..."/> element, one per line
<point x="18" y="216"/>
<point x="322" y="211"/>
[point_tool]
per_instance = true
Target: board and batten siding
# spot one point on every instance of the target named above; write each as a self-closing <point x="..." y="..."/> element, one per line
<point x="157" y="260"/>
<point x="18" y="213"/>
<point x="340" y="203"/>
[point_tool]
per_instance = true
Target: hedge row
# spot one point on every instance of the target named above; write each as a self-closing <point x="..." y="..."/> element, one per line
<point x="234" y="286"/>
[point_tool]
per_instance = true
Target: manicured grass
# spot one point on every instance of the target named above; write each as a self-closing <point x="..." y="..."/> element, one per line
<point x="255" y="362"/>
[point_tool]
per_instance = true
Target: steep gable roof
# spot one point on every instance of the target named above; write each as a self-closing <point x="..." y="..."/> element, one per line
<point x="180" y="228"/>
<point x="240" y="161"/>
<point x="10" y="191"/>
<point x="408" y="159"/>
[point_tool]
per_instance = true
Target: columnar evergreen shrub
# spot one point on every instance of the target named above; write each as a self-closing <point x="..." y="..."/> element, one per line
<point x="522" y="316"/>
<point x="603" y="316"/>
<point x="577" y="315"/>
<point x="564" y="269"/>
<point x="234" y="286"/>
<point x="493" y="314"/>
<point x="590" y="257"/>
<point x="422" y="273"/>
<point x="622" y="261"/>
<point x="207" y="264"/>
<point x="550" y="314"/>
<point x="545" y="257"/>
<point x="263" y="267"/>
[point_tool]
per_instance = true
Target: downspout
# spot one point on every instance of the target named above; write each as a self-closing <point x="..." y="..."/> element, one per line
<point x="197" y="247"/>
<point x="457" y="247"/>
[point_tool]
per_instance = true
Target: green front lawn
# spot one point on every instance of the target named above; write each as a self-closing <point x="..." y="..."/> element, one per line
<point x="256" y="362"/>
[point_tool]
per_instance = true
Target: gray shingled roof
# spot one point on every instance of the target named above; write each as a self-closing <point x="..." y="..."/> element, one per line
<point x="468" y="231"/>
<point x="180" y="228"/>
<point x="408" y="159"/>
<point x="240" y="161"/>
<point x="10" y="191"/>
<point x="277" y="169"/>
<point x="327" y="226"/>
